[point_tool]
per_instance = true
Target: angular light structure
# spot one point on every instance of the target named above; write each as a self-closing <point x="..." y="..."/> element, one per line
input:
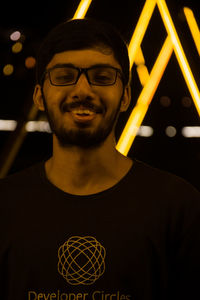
<point x="172" y="43"/>
<point x="140" y="30"/>
<point x="132" y="126"/>
<point x="180" y="55"/>
<point x="192" y="23"/>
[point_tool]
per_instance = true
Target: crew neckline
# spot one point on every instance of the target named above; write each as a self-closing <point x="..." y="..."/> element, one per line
<point x="90" y="196"/>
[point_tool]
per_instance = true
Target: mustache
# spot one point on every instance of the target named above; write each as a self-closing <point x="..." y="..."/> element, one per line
<point x="67" y="107"/>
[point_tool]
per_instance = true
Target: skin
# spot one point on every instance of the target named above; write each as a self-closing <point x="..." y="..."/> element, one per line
<point x="73" y="169"/>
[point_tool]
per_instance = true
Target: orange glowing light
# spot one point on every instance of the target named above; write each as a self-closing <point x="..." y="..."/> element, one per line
<point x="30" y="62"/>
<point x="140" y="30"/>
<point x="17" y="47"/>
<point x="151" y="82"/>
<point x="192" y="23"/>
<point x="8" y="70"/>
<point x="82" y="9"/>
<point x="129" y="133"/>
<point x="180" y="55"/>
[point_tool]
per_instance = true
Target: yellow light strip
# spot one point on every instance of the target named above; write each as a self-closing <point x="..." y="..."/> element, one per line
<point x="139" y="58"/>
<point x="142" y="70"/>
<point x="140" y="30"/>
<point x="139" y="111"/>
<point x="82" y="9"/>
<point x="180" y="55"/>
<point x="192" y="23"/>
<point x="143" y="74"/>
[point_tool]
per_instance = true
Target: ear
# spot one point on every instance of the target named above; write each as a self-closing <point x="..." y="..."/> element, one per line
<point x="38" y="97"/>
<point x="126" y="98"/>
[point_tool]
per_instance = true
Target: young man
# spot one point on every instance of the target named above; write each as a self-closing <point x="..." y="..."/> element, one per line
<point x="90" y="223"/>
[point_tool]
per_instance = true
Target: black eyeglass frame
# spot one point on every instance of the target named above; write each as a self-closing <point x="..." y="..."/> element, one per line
<point x="83" y="71"/>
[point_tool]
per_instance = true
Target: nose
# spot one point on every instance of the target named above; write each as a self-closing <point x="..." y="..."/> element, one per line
<point x="82" y="89"/>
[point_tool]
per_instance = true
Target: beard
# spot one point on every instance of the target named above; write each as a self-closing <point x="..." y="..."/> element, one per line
<point x="82" y="136"/>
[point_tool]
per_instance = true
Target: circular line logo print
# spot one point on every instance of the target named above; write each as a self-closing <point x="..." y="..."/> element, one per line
<point x="81" y="260"/>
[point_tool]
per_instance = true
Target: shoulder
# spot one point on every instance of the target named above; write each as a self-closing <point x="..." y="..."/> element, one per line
<point x="168" y="194"/>
<point x="160" y="176"/>
<point x="164" y="183"/>
<point x="22" y="179"/>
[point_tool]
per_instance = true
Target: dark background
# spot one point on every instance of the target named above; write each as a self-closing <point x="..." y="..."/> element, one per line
<point x="178" y="155"/>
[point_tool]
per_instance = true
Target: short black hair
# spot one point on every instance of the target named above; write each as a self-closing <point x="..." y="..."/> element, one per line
<point x="78" y="34"/>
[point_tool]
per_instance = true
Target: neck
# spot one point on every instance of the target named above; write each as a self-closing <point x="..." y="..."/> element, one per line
<point x="85" y="171"/>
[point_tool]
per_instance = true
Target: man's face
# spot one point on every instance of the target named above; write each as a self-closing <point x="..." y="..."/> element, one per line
<point x="83" y="114"/>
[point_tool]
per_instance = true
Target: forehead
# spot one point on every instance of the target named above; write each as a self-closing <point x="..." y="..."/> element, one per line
<point x="84" y="58"/>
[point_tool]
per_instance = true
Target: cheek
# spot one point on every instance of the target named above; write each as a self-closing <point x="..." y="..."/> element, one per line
<point x="54" y="96"/>
<point x="111" y="98"/>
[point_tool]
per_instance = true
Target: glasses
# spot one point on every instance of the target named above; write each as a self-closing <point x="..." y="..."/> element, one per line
<point x="96" y="75"/>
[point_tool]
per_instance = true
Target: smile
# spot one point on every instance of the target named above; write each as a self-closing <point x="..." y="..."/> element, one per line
<point x="83" y="115"/>
<point x="83" y="112"/>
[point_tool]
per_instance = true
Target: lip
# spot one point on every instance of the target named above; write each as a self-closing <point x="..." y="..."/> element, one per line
<point x="69" y="107"/>
<point x="83" y="118"/>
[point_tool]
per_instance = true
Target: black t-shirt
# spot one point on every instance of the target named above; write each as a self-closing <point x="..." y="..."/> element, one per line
<point x="138" y="240"/>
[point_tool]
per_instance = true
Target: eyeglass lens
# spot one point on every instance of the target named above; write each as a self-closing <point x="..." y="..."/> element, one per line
<point x="96" y="76"/>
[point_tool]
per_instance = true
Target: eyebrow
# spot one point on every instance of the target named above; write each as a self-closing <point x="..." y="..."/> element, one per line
<point x="74" y="66"/>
